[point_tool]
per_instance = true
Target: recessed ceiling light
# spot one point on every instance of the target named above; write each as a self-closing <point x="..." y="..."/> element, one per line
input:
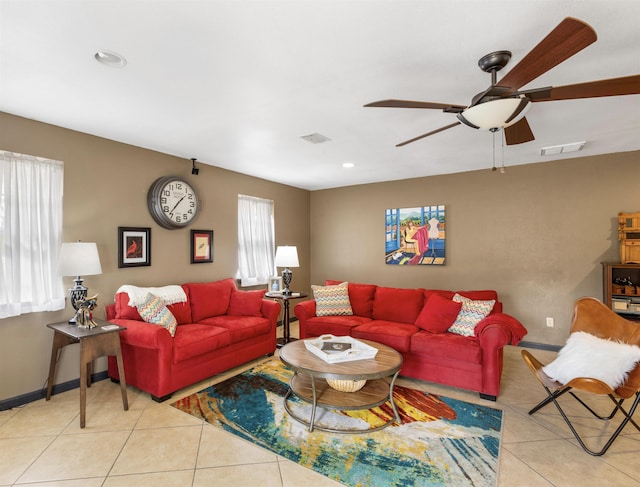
<point x="348" y="165"/>
<point x="111" y="59"/>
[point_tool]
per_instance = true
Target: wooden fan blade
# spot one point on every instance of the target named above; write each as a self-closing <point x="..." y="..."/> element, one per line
<point x="416" y="104"/>
<point x="627" y="85"/>
<point x="427" y="134"/>
<point x="518" y="133"/>
<point x="568" y="38"/>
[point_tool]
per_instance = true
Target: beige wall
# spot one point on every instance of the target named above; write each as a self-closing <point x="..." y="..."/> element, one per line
<point x="106" y="185"/>
<point x="536" y="234"/>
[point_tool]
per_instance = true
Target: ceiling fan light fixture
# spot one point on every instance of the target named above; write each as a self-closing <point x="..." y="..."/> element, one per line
<point x="495" y="114"/>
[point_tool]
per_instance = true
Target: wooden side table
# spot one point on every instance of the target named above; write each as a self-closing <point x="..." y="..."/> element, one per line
<point x="94" y="342"/>
<point x="285" y="315"/>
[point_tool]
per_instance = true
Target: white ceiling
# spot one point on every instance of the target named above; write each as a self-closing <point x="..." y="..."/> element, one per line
<point x="237" y="83"/>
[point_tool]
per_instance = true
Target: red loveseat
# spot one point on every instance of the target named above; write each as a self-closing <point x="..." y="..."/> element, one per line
<point x="219" y="327"/>
<point x="415" y="322"/>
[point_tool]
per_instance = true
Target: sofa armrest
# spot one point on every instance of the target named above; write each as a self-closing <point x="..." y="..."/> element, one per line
<point x="140" y="334"/>
<point x="494" y="332"/>
<point x="305" y="310"/>
<point x="271" y="310"/>
<point x="110" y="311"/>
<point x="498" y="330"/>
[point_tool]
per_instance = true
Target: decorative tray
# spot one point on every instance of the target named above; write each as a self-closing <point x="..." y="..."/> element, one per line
<point x="335" y="349"/>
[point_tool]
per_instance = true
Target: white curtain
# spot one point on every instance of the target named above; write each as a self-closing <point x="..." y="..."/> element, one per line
<point x="256" y="240"/>
<point x="31" y="190"/>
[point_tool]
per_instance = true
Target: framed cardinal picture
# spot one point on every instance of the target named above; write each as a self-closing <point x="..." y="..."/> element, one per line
<point x="134" y="247"/>
<point x="201" y="246"/>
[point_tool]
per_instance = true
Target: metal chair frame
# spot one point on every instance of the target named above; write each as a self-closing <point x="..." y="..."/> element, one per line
<point x="554" y="395"/>
<point x="592" y="316"/>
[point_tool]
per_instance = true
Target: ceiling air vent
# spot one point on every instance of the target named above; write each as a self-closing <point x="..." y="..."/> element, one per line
<point x="561" y="149"/>
<point x="315" y="138"/>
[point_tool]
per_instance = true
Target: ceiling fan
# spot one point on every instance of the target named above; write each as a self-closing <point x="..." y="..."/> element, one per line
<point x="503" y="106"/>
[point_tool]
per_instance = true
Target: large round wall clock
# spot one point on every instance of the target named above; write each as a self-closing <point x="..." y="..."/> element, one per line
<point x="172" y="202"/>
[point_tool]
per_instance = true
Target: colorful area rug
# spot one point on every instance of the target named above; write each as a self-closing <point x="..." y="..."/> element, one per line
<point x="441" y="442"/>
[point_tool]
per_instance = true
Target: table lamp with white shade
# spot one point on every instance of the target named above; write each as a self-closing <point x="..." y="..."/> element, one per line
<point x="78" y="259"/>
<point x="287" y="256"/>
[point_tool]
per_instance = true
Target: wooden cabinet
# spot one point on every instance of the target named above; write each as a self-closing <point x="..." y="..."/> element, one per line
<point x="629" y="236"/>
<point x="621" y="288"/>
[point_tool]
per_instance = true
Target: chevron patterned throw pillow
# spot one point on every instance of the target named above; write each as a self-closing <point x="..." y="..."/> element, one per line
<point x="471" y="313"/>
<point x="332" y="300"/>
<point x="153" y="310"/>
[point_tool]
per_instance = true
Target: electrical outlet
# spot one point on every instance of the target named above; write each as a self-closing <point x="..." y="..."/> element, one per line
<point x="549" y="322"/>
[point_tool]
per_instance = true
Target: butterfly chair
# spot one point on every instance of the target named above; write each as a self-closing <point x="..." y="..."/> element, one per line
<point x="593" y="317"/>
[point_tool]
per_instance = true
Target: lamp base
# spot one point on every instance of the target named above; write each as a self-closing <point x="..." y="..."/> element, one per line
<point x="77" y="295"/>
<point x="287" y="276"/>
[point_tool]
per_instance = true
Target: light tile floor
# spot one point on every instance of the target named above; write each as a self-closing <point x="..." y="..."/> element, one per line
<point x="41" y="443"/>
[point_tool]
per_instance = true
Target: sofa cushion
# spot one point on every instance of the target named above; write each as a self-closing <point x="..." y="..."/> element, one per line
<point x="360" y="297"/>
<point x="471" y="313"/>
<point x="123" y="310"/>
<point x="438" y="314"/>
<point x="196" y="339"/>
<point x="240" y="327"/>
<point x="209" y="299"/>
<point x="485" y="295"/>
<point x="336" y="325"/>
<point x="400" y="305"/>
<point x="153" y="310"/>
<point x="396" y="335"/>
<point x="446" y="346"/>
<point x="440" y="292"/>
<point x="245" y="303"/>
<point x="332" y="300"/>
<point x="182" y="312"/>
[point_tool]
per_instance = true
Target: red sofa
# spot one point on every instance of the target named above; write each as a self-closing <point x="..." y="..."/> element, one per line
<point x="219" y="327"/>
<point x="411" y="321"/>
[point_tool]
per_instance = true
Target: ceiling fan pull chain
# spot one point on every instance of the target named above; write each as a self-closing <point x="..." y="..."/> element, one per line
<point x="493" y="147"/>
<point x="502" y="168"/>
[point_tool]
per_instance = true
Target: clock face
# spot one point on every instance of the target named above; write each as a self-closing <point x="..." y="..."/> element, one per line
<point x="172" y="201"/>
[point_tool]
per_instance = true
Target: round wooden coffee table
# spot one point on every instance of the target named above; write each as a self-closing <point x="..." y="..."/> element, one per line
<point x="309" y="382"/>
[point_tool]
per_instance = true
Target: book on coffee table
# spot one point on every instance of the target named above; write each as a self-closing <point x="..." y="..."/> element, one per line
<point x="332" y="347"/>
<point x="335" y="349"/>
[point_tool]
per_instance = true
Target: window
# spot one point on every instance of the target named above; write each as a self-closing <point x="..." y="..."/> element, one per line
<point x="31" y="191"/>
<point x="256" y="240"/>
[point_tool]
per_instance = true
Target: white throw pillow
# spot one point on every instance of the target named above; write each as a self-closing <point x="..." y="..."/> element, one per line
<point x="586" y="355"/>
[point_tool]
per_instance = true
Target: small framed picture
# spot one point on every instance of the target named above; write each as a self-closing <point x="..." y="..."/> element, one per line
<point x="275" y="285"/>
<point x="201" y="246"/>
<point x="134" y="247"/>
